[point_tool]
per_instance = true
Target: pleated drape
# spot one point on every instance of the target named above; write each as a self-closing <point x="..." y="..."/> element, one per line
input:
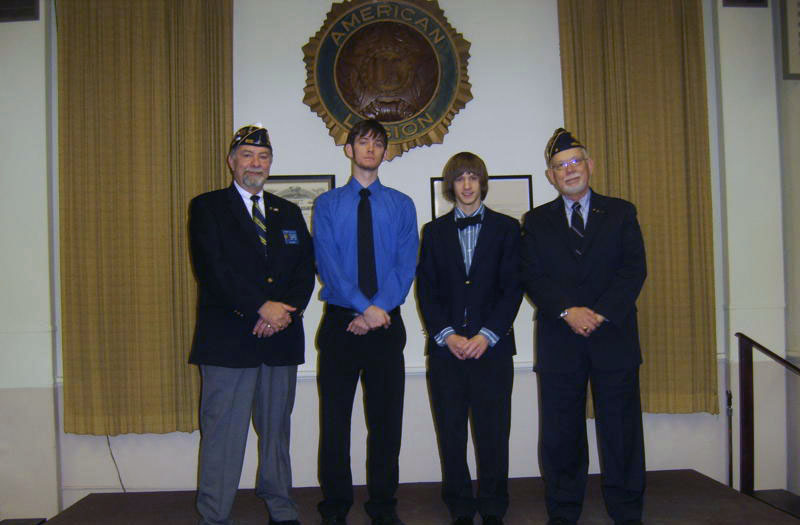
<point x="145" y="112"/>
<point x="634" y="86"/>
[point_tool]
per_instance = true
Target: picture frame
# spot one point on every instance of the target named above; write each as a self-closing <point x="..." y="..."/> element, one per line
<point x="19" y="10"/>
<point x="790" y="38"/>
<point x="509" y="194"/>
<point x="744" y="3"/>
<point x="300" y="189"/>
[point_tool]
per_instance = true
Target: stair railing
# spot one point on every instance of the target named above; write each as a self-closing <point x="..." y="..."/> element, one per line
<point x="746" y="415"/>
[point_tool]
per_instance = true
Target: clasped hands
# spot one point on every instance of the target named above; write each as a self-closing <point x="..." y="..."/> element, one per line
<point x="273" y="316"/>
<point x="374" y="317"/>
<point x="464" y="348"/>
<point x="582" y="320"/>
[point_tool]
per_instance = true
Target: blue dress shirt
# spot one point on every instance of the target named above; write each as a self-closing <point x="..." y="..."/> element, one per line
<point x="585" y="200"/>
<point x="394" y="227"/>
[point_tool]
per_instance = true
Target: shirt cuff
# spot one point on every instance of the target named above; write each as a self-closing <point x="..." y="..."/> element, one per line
<point x="443" y="335"/>
<point x="360" y="303"/>
<point x="488" y="334"/>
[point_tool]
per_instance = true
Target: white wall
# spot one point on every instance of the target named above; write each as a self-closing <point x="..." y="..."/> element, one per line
<point x="790" y="157"/>
<point x="516" y="83"/>
<point x="514" y="70"/>
<point x="752" y="220"/>
<point x="28" y="476"/>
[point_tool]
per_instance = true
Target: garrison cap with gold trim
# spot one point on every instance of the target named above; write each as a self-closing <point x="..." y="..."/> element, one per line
<point x="252" y="135"/>
<point x="560" y="141"/>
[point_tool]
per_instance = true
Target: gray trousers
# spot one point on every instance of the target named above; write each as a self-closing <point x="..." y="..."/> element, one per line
<point x="229" y="397"/>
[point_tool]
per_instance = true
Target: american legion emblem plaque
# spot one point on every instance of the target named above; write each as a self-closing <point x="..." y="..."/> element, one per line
<point x="396" y="61"/>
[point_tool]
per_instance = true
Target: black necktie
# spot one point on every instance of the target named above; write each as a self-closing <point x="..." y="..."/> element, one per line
<point x="367" y="278"/>
<point x="576" y="227"/>
<point x="468" y="221"/>
<point x="260" y="221"/>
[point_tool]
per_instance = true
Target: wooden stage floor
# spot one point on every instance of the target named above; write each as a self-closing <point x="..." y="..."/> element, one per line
<point x="682" y="497"/>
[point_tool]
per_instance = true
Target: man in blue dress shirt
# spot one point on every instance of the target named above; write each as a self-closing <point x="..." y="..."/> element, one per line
<point x="366" y="240"/>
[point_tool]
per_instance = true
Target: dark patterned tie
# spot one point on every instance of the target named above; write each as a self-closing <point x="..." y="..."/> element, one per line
<point x="260" y="221"/>
<point x="576" y="228"/>
<point x="367" y="278"/>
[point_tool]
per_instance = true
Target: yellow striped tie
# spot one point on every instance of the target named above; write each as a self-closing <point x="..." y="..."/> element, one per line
<point x="261" y="222"/>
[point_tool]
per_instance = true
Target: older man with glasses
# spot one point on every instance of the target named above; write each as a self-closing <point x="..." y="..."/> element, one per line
<point x="583" y="265"/>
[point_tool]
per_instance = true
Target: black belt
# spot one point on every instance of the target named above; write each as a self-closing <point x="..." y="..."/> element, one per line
<point x="341" y="310"/>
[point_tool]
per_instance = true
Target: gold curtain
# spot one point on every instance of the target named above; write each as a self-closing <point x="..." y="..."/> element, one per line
<point x="634" y="85"/>
<point x="145" y="111"/>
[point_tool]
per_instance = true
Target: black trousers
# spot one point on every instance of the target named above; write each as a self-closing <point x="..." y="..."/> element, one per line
<point x="376" y="358"/>
<point x="564" y="448"/>
<point x="482" y="387"/>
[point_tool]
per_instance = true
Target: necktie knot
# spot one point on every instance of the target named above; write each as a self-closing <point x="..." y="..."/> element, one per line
<point x="365" y="193"/>
<point x="464" y="222"/>
<point x="576" y="207"/>
<point x="255" y="198"/>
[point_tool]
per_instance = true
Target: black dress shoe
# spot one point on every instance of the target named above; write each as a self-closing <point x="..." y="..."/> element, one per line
<point x="463" y="520"/>
<point x="389" y="519"/>
<point x="628" y="522"/>
<point x="560" y="521"/>
<point x="334" y="520"/>
<point x="284" y="522"/>
<point x="492" y="520"/>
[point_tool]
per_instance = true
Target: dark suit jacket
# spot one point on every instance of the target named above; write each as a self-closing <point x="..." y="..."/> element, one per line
<point x="235" y="278"/>
<point x="490" y="294"/>
<point x="606" y="278"/>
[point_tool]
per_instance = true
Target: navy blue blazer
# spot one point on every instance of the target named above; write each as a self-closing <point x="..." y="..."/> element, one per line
<point x="607" y="278"/>
<point x="235" y="278"/>
<point x="489" y="296"/>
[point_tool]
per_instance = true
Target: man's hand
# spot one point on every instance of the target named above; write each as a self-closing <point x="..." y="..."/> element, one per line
<point x="582" y="320"/>
<point x="475" y="346"/>
<point x="263" y="329"/>
<point x="376" y="317"/>
<point x="358" y="326"/>
<point x="455" y="343"/>
<point x="276" y="314"/>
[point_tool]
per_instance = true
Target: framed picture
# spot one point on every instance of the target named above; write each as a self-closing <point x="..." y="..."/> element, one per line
<point x="19" y="10"/>
<point x="509" y="194"/>
<point x="790" y="18"/>
<point x="300" y="189"/>
<point x="744" y="3"/>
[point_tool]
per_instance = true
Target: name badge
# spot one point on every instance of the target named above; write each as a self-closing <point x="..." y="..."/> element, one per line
<point x="290" y="237"/>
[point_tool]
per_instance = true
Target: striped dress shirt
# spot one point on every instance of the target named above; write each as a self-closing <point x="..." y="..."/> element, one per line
<point x="467" y="238"/>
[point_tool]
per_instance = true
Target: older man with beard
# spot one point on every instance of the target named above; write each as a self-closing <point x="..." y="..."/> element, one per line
<point x="583" y="266"/>
<point x="254" y="263"/>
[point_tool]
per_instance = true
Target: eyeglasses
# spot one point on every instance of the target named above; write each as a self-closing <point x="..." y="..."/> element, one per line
<point x="561" y="166"/>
